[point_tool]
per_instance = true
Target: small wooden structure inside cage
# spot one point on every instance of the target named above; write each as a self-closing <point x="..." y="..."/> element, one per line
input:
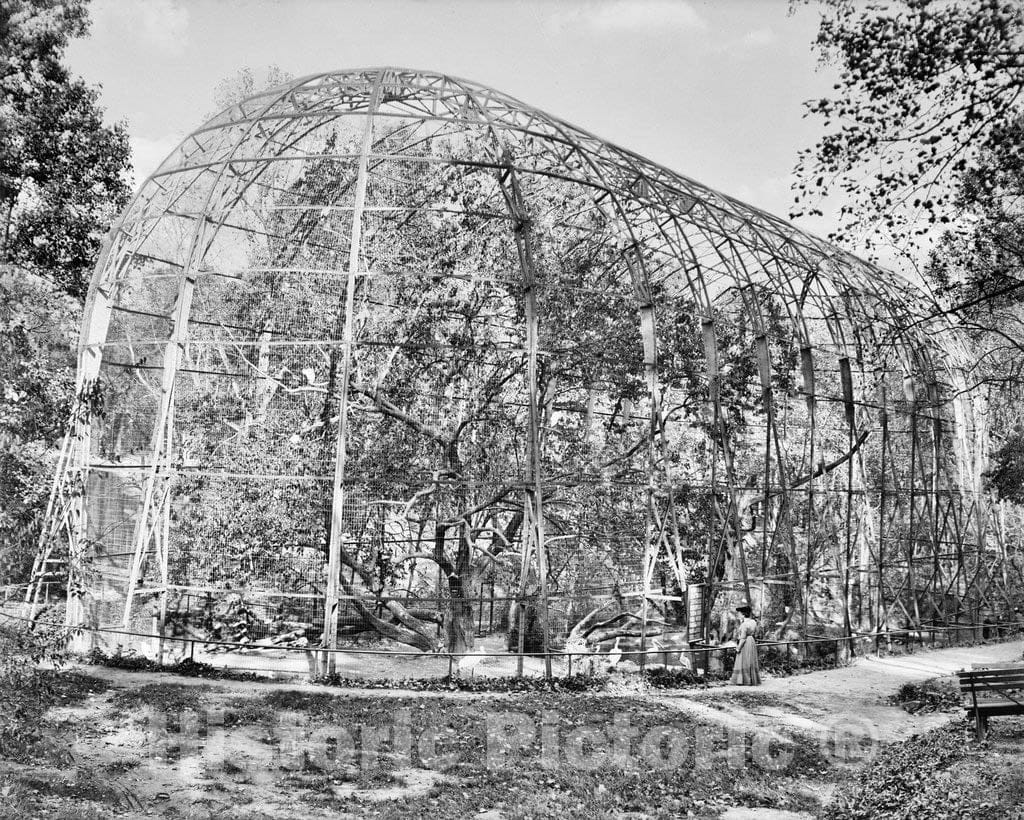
<point x="386" y="351"/>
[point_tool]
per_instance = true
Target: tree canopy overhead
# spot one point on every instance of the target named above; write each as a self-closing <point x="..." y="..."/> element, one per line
<point x="62" y="170"/>
<point x="62" y="180"/>
<point x="926" y="89"/>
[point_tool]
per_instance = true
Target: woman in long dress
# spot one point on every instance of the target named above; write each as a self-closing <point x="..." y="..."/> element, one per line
<point x="745" y="671"/>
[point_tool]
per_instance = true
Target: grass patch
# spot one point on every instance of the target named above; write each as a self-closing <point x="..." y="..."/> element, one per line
<point x="165" y="697"/>
<point x="84" y="785"/>
<point x="575" y="683"/>
<point x="313" y="703"/>
<point x="19" y="800"/>
<point x="531" y="755"/>
<point x="117" y="767"/>
<point x="132" y="662"/>
<point x="83" y="794"/>
<point x="266" y="709"/>
<point x="27" y="692"/>
<point x="655" y="678"/>
<point x="25" y="698"/>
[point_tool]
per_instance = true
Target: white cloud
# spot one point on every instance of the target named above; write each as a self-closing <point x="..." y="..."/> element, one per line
<point x="771" y="194"/>
<point x="159" y="24"/>
<point x="147" y="154"/>
<point x="633" y="16"/>
<point x="759" y="37"/>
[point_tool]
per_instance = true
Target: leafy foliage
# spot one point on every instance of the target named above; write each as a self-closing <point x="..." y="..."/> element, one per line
<point x="1007" y="472"/>
<point x="979" y="268"/>
<point x="133" y="662"/>
<point x="244" y="83"/>
<point x="27" y="692"/>
<point x="925" y="89"/>
<point x="436" y="455"/>
<point x="38" y="328"/>
<point x="62" y="178"/>
<point x="927" y="140"/>
<point x="62" y="171"/>
<point x="936" y="695"/>
<point x="936" y="775"/>
<point x="576" y="683"/>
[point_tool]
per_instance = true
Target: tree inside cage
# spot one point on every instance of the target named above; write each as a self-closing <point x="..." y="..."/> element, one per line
<point x="384" y="353"/>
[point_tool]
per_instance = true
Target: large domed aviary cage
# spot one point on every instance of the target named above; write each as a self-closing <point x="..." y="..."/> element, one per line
<point x="389" y="354"/>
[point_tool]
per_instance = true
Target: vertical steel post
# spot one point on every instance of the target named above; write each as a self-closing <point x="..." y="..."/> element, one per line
<point x="711" y="354"/>
<point x="533" y="498"/>
<point x="649" y="336"/>
<point x="933" y="402"/>
<point x="809" y="386"/>
<point x="910" y="394"/>
<point x="533" y="389"/>
<point x="96" y="322"/>
<point x="162" y="435"/>
<point x="765" y="375"/>
<point x="329" y="639"/>
<point x="163" y="429"/>
<point x="881" y="610"/>
<point x="846" y="376"/>
<point x="711" y="364"/>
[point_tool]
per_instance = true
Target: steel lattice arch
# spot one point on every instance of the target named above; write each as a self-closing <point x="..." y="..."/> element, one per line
<point x="388" y="351"/>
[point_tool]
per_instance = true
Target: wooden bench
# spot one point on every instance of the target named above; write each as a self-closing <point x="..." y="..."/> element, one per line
<point x="992" y="690"/>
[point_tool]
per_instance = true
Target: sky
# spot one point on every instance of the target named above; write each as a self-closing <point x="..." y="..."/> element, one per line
<point x="713" y="90"/>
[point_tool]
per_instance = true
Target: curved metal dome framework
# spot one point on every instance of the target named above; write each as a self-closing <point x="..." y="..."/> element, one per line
<point x="389" y="347"/>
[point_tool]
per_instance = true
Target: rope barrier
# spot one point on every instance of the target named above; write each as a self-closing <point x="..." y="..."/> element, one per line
<point x="690" y="648"/>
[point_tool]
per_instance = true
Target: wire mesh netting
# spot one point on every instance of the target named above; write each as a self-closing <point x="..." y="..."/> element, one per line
<point x="383" y="356"/>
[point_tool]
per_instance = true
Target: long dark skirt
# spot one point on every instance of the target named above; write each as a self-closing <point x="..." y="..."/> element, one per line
<point x="745" y="671"/>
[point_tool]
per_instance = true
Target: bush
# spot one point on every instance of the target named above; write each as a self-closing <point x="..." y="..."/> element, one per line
<point x="26" y="691"/>
<point x="38" y="330"/>
<point x="673" y="678"/>
<point x="935" y="695"/>
<point x="133" y="662"/>
<point x="920" y="779"/>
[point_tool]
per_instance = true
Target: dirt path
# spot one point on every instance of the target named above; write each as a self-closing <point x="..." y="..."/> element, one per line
<point x="846" y="710"/>
<point x="852" y="699"/>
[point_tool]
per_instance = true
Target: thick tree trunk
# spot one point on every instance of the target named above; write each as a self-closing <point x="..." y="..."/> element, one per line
<point x="459" y="621"/>
<point x="409" y="629"/>
<point x="459" y="632"/>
